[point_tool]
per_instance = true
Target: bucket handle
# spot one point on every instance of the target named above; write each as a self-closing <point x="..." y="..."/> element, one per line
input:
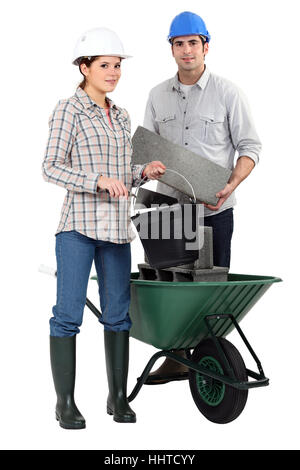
<point x="167" y="169"/>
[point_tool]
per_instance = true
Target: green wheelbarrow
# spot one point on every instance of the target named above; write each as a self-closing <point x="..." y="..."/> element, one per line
<point x="196" y="317"/>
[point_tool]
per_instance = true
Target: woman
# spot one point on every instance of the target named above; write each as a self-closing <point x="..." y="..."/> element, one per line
<point x="89" y="154"/>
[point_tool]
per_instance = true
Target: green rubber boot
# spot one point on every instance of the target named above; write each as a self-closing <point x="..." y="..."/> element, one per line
<point x="63" y="365"/>
<point x="117" y="355"/>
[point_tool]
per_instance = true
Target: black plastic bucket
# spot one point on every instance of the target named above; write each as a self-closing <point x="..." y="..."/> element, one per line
<point x="169" y="234"/>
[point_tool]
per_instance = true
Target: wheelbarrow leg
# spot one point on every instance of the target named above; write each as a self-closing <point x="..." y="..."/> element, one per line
<point x="143" y="377"/>
<point x="169" y="370"/>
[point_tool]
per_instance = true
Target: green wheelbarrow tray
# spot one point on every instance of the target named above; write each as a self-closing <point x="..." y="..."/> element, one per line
<point x="171" y="315"/>
<point x="198" y="315"/>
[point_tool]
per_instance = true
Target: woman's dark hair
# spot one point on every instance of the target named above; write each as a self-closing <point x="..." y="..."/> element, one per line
<point x="87" y="61"/>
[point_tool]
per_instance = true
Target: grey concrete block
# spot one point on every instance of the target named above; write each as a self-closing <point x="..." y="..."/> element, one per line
<point x="206" y="177"/>
<point x="206" y="254"/>
<point x="179" y="274"/>
<point x="215" y="274"/>
<point x="147" y="273"/>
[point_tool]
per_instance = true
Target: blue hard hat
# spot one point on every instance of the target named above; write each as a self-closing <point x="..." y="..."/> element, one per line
<point x="187" y="24"/>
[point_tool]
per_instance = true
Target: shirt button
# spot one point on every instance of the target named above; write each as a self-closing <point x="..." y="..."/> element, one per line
<point x="186" y="143"/>
<point x="183" y="97"/>
<point x="186" y="128"/>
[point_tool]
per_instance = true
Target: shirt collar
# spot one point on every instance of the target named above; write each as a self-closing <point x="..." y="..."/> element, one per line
<point x="202" y="82"/>
<point x="88" y="103"/>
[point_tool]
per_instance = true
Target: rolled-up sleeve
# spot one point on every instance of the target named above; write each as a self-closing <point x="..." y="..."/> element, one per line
<point x="56" y="166"/>
<point x="242" y="130"/>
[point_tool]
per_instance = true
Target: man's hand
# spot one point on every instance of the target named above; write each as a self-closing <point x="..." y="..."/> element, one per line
<point x="154" y="170"/>
<point x="222" y="195"/>
<point x="243" y="168"/>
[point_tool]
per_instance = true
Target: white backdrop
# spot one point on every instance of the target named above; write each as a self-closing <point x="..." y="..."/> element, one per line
<point x="256" y="45"/>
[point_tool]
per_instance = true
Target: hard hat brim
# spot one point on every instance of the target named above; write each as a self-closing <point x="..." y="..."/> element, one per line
<point x="170" y="38"/>
<point x="122" y="56"/>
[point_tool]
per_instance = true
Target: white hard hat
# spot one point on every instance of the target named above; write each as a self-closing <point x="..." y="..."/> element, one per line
<point x="98" y="41"/>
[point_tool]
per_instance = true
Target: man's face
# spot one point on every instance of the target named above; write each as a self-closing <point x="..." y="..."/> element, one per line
<point x="189" y="53"/>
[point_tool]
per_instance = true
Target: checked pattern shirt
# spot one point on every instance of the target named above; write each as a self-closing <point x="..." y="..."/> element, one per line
<point x="83" y="145"/>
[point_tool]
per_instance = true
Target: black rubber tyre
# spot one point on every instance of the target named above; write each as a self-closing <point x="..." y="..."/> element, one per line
<point x="218" y="402"/>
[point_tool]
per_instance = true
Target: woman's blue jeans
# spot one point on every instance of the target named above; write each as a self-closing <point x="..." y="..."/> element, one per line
<point x="75" y="254"/>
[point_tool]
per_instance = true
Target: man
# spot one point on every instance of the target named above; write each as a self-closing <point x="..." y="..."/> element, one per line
<point x="209" y="116"/>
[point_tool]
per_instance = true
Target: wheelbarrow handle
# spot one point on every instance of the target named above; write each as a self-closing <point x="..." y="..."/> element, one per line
<point x="47" y="270"/>
<point x="167" y="169"/>
<point x="52" y="272"/>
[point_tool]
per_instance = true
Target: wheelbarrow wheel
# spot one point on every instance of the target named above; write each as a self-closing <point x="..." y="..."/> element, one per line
<point x="218" y="402"/>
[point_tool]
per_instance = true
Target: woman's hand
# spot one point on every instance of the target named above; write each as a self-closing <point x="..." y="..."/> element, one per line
<point x="113" y="186"/>
<point x="154" y="170"/>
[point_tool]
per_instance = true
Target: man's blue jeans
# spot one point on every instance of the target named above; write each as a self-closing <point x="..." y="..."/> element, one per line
<point x="75" y="254"/>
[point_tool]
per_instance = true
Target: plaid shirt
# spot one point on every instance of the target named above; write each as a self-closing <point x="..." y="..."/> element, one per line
<point x="82" y="146"/>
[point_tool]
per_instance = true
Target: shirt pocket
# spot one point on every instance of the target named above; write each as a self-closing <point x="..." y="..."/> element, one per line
<point x="212" y="128"/>
<point x="124" y="123"/>
<point x="125" y="130"/>
<point x="166" y="124"/>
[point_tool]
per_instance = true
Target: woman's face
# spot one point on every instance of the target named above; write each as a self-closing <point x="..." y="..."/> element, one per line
<point x="103" y="73"/>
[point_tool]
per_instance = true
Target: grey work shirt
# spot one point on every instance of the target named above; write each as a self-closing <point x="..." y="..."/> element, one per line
<point x="213" y="121"/>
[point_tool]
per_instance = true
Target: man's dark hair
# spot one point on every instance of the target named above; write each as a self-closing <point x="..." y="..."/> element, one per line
<point x="203" y="40"/>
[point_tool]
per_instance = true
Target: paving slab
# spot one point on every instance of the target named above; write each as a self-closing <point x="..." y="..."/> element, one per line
<point x="205" y="176"/>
